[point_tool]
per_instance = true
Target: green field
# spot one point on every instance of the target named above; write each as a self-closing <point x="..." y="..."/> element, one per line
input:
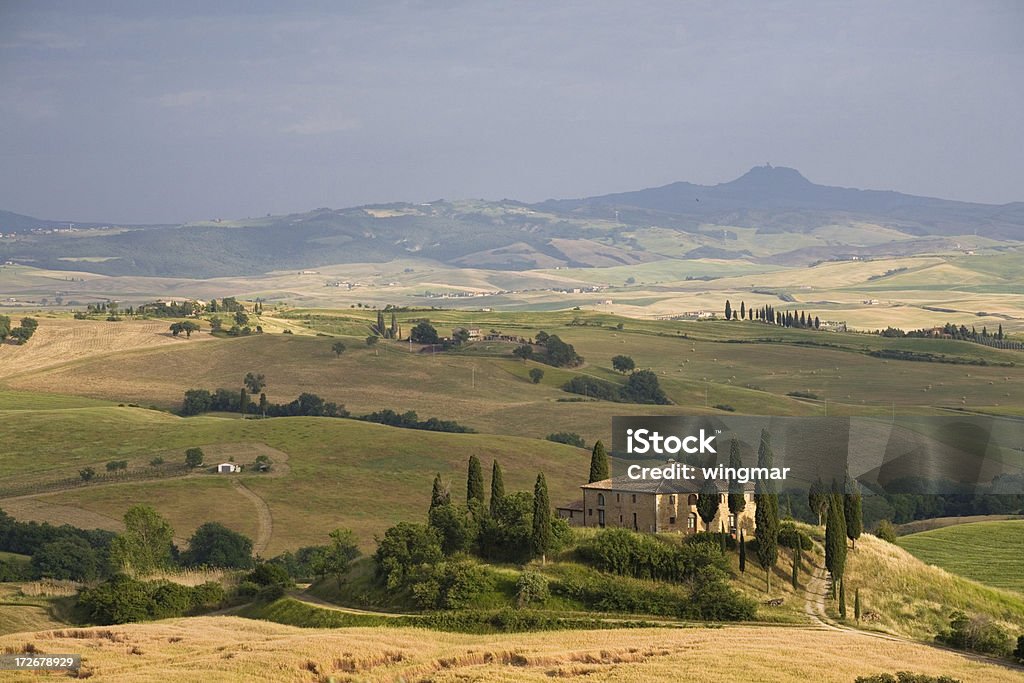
<point x="989" y="552"/>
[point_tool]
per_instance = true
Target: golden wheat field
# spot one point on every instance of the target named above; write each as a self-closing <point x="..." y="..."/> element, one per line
<point x="59" y="341"/>
<point x="234" y="649"/>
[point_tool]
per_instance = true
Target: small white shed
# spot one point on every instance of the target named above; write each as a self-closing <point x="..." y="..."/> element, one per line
<point x="228" y="467"/>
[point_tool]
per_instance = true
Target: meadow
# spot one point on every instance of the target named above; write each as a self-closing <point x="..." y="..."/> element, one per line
<point x="991" y="552"/>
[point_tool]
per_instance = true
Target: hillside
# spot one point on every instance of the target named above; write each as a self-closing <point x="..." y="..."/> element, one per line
<point x="991" y="552"/>
<point x="233" y="649"/>
<point x="677" y="221"/>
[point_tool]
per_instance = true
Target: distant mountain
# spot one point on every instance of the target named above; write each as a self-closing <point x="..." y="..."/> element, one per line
<point x="11" y="222"/>
<point x="678" y="221"/>
<point x="765" y="195"/>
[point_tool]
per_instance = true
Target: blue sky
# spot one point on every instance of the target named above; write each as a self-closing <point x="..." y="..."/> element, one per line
<point x="137" y="112"/>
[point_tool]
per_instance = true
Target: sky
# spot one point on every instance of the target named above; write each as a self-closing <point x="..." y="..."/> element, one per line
<point x="171" y="112"/>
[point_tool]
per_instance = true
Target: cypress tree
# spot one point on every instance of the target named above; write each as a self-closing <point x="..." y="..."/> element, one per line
<point x="856" y="604"/>
<point x="439" y="496"/>
<point x="541" y="537"/>
<point x="721" y="538"/>
<point x="852" y="510"/>
<point x="728" y="310"/>
<point x="737" y="502"/>
<point x="743" y="553"/>
<point x="474" y="482"/>
<point x="243" y="401"/>
<point x="842" y="599"/>
<point x="263" y="405"/>
<point x="835" y="537"/>
<point x="707" y="502"/>
<point x="598" y="463"/>
<point x="817" y="499"/>
<point x="795" y="579"/>
<point x="766" y="515"/>
<point x="743" y="310"/>
<point x="497" y="486"/>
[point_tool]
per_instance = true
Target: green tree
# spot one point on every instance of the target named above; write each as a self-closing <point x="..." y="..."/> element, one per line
<point x="439" y="495"/>
<point x="835" y="537"/>
<point x="243" y="401"/>
<point x="842" y="599"/>
<point x="852" y="510"/>
<point x="403" y="548"/>
<point x="856" y="604"/>
<point x="707" y="502"/>
<point x="424" y="333"/>
<point x="817" y="499"/>
<point x="87" y="473"/>
<point x="497" y="486"/>
<point x="728" y="310"/>
<point x="598" y="463"/>
<point x="194" y="457"/>
<point x="455" y="527"/>
<point x="541" y="539"/>
<point x="766" y="515"/>
<point x="623" y="364"/>
<point x="737" y="498"/>
<point x="255" y="383"/>
<point x="69" y="558"/>
<point x="523" y="352"/>
<point x="475" y="482"/>
<point x="795" y="579"/>
<point x="337" y="557"/>
<point x="743" y="310"/>
<point x="536" y="375"/>
<point x="146" y="543"/>
<point x="643" y="387"/>
<point x="743" y="553"/>
<point x="338" y="348"/>
<point x="214" y="545"/>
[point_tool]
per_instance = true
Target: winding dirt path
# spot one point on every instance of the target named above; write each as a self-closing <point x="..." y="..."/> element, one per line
<point x="264" y="519"/>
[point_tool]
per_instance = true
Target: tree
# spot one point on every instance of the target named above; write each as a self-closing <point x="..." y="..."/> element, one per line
<point x="69" y="558"/>
<point x="852" y="510"/>
<point x="598" y="463"/>
<point x="404" y="547"/>
<point x="795" y="579"/>
<point x="737" y="498"/>
<point x="241" y="318"/>
<point x="743" y="310"/>
<point x="835" y="537"/>
<point x="886" y="531"/>
<point x="475" y="482"/>
<point x="541" y="539"/>
<point x="337" y="557"/>
<point x="194" y="457"/>
<point x="424" y="333"/>
<point x="497" y="486"/>
<point x="372" y="340"/>
<point x="766" y="515"/>
<point x="243" y="401"/>
<point x="743" y="553"/>
<point x="523" y="352"/>
<point x="536" y="375"/>
<point x="146" y="543"/>
<point x="87" y="473"/>
<point x="728" y="310"/>
<point x="643" y="387"/>
<point x="439" y="495"/>
<point x="214" y="545"/>
<point x="817" y="499"/>
<point x="338" y="348"/>
<point x="842" y="599"/>
<point x="623" y="364"/>
<point x="707" y="502"/>
<point x="856" y="604"/>
<point x="254" y="383"/>
<point x="263" y="404"/>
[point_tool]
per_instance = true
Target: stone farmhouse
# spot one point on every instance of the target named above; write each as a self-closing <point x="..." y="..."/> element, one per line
<point x="655" y="506"/>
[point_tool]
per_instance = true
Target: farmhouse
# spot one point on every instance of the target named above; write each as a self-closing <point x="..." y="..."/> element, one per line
<point x="655" y="506"/>
<point x="228" y="467"/>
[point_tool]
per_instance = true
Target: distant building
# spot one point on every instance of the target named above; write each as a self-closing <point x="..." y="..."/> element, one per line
<point x="228" y="468"/>
<point x="657" y="506"/>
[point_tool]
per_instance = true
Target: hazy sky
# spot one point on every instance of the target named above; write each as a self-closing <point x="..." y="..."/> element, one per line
<point x="176" y="111"/>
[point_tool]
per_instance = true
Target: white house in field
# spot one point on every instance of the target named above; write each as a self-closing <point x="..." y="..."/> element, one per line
<point x="228" y="468"/>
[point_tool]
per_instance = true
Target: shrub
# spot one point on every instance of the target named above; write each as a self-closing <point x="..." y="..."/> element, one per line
<point x="531" y="587"/>
<point x="570" y="438"/>
<point x="449" y="585"/>
<point x="978" y="634"/>
<point x="270" y="574"/>
<point x="791" y="537"/>
<point x="886" y="531"/>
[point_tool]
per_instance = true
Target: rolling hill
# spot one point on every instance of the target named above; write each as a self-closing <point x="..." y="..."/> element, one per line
<point x="698" y="221"/>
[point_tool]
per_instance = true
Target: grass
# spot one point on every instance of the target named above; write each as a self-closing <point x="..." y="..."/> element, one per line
<point x="989" y="552"/>
<point x="234" y="649"/>
<point x="914" y="599"/>
<point x="337" y="469"/>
